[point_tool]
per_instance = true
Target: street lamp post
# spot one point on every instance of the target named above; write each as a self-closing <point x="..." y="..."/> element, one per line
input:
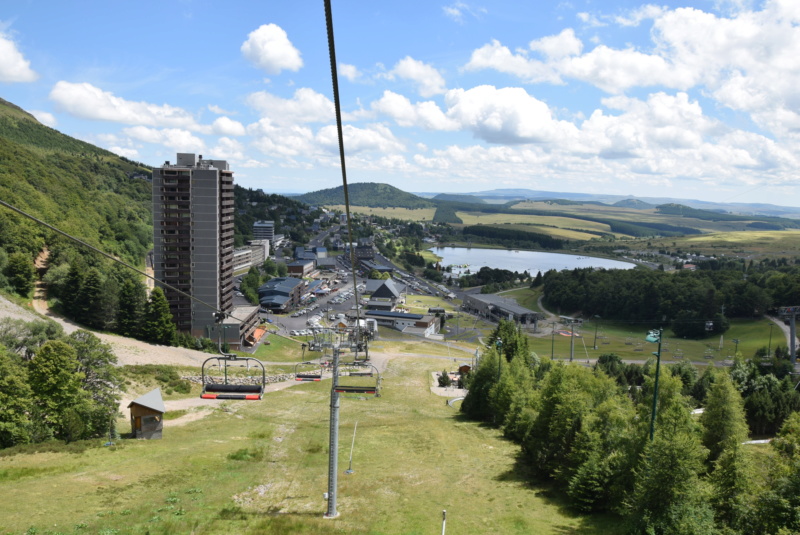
<point x="596" y="324"/>
<point x="736" y="346"/>
<point x="655" y="336"/>
<point x="572" y="340"/>
<point x="769" y="348"/>
<point x="553" y="340"/>
<point x="499" y="345"/>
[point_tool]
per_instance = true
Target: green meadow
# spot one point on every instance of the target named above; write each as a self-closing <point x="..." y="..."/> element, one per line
<point x="261" y="467"/>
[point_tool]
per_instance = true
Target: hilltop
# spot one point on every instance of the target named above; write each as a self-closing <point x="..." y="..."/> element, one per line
<point x="366" y="194"/>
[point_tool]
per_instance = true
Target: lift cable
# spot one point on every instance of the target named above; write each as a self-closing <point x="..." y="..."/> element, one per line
<point x="117" y="260"/>
<point x="338" y="110"/>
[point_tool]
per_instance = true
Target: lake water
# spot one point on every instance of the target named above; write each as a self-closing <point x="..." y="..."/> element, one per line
<point x="519" y="261"/>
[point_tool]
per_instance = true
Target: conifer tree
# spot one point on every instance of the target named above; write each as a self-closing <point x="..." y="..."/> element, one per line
<point x="158" y="325"/>
<point x="132" y="305"/>
<point x="21" y="273"/>
<point x="723" y="419"/>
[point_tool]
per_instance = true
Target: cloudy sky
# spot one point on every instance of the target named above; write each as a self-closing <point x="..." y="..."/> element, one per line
<point x="692" y="99"/>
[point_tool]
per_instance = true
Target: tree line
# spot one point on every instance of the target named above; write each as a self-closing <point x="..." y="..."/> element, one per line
<point x="54" y="386"/>
<point x="587" y="432"/>
<point x="684" y="298"/>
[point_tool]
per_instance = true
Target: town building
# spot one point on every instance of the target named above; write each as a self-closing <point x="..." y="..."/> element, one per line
<point x="264" y="230"/>
<point x="497" y="308"/>
<point x="193" y="252"/>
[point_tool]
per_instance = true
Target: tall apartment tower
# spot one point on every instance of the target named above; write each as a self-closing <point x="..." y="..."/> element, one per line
<point x="193" y="238"/>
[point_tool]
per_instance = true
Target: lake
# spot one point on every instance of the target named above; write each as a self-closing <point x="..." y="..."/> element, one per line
<point x="519" y="261"/>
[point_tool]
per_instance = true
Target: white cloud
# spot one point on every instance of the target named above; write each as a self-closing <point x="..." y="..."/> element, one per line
<point x="615" y="70"/>
<point x="213" y="108"/>
<point x="376" y="138"/>
<point x="282" y="141"/>
<point x="269" y="48"/>
<point x="133" y="154"/>
<point x="349" y="71"/>
<point x="228" y="149"/>
<point x="228" y="127"/>
<point x="13" y="65"/>
<point x="177" y="139"/>
<point x="46" y="118"/>
<point x="505" y="115"/>
<point x="590" y="20"/>
<point x="305" y="106"/>
<point x="89" y="102"/>
<point x="555" y="47"/>
<point x="498" y="57"/>
<point x="429" y="81"/>
<point x="424" y="114"/>
<point x="637" y="15"/>
<point x="458" y="10"/>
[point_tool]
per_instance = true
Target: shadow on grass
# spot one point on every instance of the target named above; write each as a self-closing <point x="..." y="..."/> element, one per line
<point x="588" y="524"/>
<point x="523" y="474"/>
<point x="273" y="520"/>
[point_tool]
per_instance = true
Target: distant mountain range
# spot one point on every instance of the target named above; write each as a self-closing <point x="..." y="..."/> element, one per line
<point x="502" y="196"/>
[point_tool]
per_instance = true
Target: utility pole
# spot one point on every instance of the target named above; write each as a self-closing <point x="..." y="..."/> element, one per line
<point x="553" y="340"/>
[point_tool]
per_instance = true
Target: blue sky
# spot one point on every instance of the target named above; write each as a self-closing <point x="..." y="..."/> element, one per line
<point x="693" y="99"/>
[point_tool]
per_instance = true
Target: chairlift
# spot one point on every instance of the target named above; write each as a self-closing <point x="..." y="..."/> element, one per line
<point x="709" y="326"/>
<point x="225" y="390"/>
<point x="372" y="388"/>
<point x="307" y="375"/>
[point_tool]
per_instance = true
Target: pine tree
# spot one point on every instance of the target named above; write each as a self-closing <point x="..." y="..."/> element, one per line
<point x="158" y="325"/>
<point x="21" y="273"/>
<point x="132" y="305"/>
<point x="70" y="293"/>
<point x="89" y="300"/>
<point x="723" y="418"/>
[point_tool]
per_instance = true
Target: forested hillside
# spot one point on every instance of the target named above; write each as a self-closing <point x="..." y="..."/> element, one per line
<point x="75" y="186"/>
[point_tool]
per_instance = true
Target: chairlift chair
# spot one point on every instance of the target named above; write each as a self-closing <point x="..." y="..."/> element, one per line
<point x="307" y="375"/>
<point x="225" y="390"/>
<point x="373" y="388"/>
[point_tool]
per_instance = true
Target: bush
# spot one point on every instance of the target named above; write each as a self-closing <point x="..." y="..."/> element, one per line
<point x="444" y="379"/>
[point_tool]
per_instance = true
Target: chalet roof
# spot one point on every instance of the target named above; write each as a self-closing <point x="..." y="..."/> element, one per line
<point x="387" y="289"/>
<point x="151" y="400"/>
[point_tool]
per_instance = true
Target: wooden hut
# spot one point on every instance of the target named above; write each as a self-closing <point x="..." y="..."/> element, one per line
<point x="147" y="415"/>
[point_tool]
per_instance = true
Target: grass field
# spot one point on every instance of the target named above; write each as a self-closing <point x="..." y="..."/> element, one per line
<point x="760" y="242"/>
<point x="421" y="214"/>
<point x="261" y="467"/>
<point x="633" y="215"/>
<point x="627" y="341"/>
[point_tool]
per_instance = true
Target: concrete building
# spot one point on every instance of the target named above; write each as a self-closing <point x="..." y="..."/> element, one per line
<point x="281" y="294"/>
<point x="193" y="241"/>
<point x="264" y="230"/>
<point x="497" y="308"/>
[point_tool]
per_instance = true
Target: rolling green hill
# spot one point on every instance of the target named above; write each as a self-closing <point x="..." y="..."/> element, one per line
<point x="453" y="197"/>
<point x="73" y="185"/>
<point x="366" y="194"/>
